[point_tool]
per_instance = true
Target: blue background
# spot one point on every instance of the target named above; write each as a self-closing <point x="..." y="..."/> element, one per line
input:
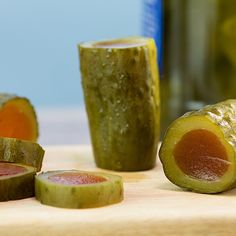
<point x="38" y="38"/>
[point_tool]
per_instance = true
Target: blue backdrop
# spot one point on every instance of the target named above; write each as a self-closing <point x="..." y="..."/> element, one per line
<point x="38" y="54"/>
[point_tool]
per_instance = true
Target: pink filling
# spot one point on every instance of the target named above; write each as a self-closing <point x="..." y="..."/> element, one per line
<point x="74" y="178"/>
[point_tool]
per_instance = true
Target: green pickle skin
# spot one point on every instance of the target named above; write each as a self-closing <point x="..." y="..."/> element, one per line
<point x="19" y="186"/>
<point x="121" y="92"/>
<point x="78" y="196"/>
<point x="222" y="119"/>
<point x="21" y="151"/>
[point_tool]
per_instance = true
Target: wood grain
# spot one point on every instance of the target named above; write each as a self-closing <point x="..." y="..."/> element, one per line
<point x="152" y="206"/>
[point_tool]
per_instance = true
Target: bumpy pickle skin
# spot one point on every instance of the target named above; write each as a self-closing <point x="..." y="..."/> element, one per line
<point x="21" y="151"/>
<point x="121" y="92"/>
<point x="18" y="185"/>
<point x="211" y="161"/>
<point x="90" y="189"/>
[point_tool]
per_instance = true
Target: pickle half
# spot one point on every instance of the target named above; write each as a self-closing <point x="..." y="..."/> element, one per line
<point x="198" y="151"/>
<point x="18" y="118"/>
<point x="21" y="151"/>
<point x="121" y="91"/>
<point x="16" y="181"/>
<point x="78" y="189"/>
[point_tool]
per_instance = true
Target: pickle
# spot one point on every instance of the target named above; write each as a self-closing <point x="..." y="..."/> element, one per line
<point x="78" y="189"/>
<point x="17" y="118"/>
<point x="199" y="149"/>
<point x="20" y="151"/>
<point x="121" y="91"/>
<point x="16" y="181"/>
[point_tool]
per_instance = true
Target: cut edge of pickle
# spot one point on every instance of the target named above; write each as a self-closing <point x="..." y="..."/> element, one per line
<point x="173" y="172"/>
<point x="119" y="43"/>
<point x="17" y="186"/>
<point x="81" y="196"/>
<point x="25" y="152"/>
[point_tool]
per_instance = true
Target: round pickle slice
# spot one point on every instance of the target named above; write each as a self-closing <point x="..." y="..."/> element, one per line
<point x="78" y="189"/>
<point x="17" y="118"/>
<point x="20" y="151"/>
<point x="16" y="181"/>
<point x="199" y="149"/>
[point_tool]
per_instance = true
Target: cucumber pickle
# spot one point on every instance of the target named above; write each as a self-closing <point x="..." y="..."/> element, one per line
<point x="199" y="149"/>
<point x="78" y="189"/>
<point x="16" y="181"/>
<point x="121" y="92"/>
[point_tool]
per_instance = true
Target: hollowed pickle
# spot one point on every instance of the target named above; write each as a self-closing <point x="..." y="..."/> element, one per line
<point x="16" y="181"/>
<point x="199" y="149"/>
<point x="121" y="91"/>
<point x="78" y="189"/>
<point x="21" y="151"/>
<point x="17" y="118"/>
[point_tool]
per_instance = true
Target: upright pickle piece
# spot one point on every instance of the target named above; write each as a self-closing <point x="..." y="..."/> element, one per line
<point x="121" y="91"/>
<point x="78" y="189"/>
<point x="17" y="118"/>
<point x="20" y="151"/>
<point x="16" y="181"/>
<point x="199" y="149"/>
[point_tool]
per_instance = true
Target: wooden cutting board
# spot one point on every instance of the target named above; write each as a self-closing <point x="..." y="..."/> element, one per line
<point x="151" y="206"/>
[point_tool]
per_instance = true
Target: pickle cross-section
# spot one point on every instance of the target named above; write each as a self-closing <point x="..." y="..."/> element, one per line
<point x="198" y="151"/>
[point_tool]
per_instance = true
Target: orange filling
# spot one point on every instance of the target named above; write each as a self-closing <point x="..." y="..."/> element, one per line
<point x="201" y="155"/>
<point x="76" y="178"/>
<point x="14" y="123"/>
<point x="10" y="169"/>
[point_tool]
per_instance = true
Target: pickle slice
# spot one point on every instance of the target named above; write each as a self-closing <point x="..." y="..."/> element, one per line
<point x="20" y="151"/>
<point x="17" y="118"/>
<point x="199" y="149"/>
<point x="78" y="189"/>
<point x="121" y="90"/>
<point x="16" y="181"/>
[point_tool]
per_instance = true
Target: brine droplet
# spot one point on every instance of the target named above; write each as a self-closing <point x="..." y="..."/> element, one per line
<point x="124" y="109"/>
<point x="125" y="129"/>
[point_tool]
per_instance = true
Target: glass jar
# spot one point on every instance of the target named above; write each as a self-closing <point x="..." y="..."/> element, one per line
<point x="199" y="55"/>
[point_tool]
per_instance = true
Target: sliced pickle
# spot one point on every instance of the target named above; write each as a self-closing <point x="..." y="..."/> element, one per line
<point x="17" y="118"/>
<point x="16" y="181"/>
<point x="78" y="189"/>
<point x="20" y="151"/>
<point x="199" y="149"/>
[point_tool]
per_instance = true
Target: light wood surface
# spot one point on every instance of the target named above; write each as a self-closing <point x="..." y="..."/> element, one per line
<point x="152" y="206"/>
